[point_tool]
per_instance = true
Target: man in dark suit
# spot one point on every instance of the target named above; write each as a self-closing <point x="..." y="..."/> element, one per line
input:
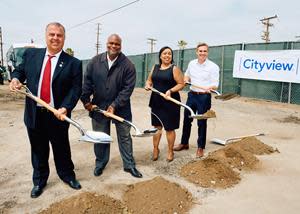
<point x="110" y="80"/>
<point x="56" y="78"/>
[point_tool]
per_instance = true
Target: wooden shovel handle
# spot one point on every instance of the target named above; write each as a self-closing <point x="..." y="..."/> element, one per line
<point x="164" y="96"/>
<point x="120" y="119"/>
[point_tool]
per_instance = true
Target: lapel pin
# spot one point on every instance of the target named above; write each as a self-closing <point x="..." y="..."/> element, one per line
<point x="61" y="64"/>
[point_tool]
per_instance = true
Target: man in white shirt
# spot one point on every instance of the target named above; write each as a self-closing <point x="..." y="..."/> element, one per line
<point x="204" y="74"/>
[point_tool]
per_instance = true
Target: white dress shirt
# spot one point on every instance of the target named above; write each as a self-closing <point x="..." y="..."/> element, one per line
<point x="110" y="62"/>
<point x="205" y="74"/>
<point x="54" y="61"/>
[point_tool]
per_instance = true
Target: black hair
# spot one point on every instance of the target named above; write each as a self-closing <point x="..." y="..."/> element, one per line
<point x="161" y="50"/>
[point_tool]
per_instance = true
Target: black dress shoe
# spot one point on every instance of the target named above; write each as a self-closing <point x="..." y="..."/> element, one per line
<point x="98" y="171"/>
<point x="134" y="172"/>
<point x="36" y="191"/>
<point x="73" y="184"/>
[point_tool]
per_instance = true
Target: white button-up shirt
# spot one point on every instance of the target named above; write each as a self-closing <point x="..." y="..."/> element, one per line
<point x="205" y="74"/>
<point x="54" y="61"/>
<point x="110" y="62"/>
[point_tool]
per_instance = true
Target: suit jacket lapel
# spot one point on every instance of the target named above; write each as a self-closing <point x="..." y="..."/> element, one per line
<point x="60" y="65"/>
<point x="39" y="59"/>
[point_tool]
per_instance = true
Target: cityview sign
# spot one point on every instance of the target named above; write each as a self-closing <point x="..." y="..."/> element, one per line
<point x="282" y="66"/>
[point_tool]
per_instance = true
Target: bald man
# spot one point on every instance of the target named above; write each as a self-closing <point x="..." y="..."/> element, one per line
<point x="110" y="79"/>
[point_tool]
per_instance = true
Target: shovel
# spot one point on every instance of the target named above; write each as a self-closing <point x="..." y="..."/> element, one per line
<point x="228" y="140"/>
<point x="138" y="133"/>
<point x="193" y="115"/>
<point x="87" y="136"/>
<point x="219" y="96"/>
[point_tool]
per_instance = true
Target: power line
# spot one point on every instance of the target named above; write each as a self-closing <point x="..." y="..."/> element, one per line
<point x="111" y="11"/>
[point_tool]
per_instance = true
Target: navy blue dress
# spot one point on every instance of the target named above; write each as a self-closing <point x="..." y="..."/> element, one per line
<point x="166" y="113"/>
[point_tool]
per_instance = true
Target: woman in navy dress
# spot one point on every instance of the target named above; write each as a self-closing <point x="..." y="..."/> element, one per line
<point x="166" y="78"/>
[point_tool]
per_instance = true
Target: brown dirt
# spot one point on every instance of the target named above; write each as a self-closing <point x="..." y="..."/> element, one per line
<point x="217" y="170"/>
<point x="157" y="196"/>
<point x="277" y="173"/>
<point x="254" y="146"/>
<point x="210" y="173"/>
<point x="87" y="203"/>
<point x="235" y="157"/>
<point x="226" y="96"/>
<point x="290" y="119"/>
<point x="209" y="114"/>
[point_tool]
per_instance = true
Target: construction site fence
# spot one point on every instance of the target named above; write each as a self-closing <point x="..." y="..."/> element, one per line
<point x="223" y="55"/>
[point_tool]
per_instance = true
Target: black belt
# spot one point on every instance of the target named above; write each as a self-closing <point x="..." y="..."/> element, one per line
<point x="42" y="109"/>
<point x="198" y="92"/>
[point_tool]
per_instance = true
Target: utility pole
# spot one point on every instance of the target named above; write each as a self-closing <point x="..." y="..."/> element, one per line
<point x="1" y="47"/>
<point x="266" y="22"/>
<point x="97" y="42"/>
<point x="152" y="42"/>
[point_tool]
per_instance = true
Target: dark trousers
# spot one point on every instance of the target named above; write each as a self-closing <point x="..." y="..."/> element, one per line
<point x="50" y="129"/>
<point x="102" y="151"/>
<point x="199" y="103"/>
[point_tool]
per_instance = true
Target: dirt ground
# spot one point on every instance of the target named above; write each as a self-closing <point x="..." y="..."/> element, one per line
<point x="262" y="182"/>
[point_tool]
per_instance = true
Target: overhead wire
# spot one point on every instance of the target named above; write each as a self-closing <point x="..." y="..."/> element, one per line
<point x="104" y="14"/>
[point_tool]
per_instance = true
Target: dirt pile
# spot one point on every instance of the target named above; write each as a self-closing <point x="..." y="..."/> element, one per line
<point x="218" y="170"/>
<point x="154" y="196"/>
<point x="210" y="172"/>
<point x="157" y="196"/>
<point x="290" y="119"/>
<point x="254" y="146"/>
<point x="235" y="157"/>
<point x="87" y="203"/>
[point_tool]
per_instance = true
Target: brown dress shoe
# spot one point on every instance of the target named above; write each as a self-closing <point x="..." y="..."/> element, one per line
<point x="180" y="147"/>
<point x="200" y="153"/>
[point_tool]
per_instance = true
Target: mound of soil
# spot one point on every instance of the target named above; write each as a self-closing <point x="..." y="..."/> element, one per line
<point x="157" y="196"/>
<point x="217" y="170"/>
<point x="87" y="202"/>
<point x="254" y="146"/>
<point x="235" y="157"/>
<point x="210" y="172"/>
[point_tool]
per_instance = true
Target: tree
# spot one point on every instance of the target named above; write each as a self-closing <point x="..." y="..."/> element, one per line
<point x="182" y="44"/>
<point x="70" y="51"/>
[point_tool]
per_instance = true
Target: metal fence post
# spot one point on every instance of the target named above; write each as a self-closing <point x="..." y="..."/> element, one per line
<point x="290" y="84"/>
<point x="222" y="69"/>
<point x="181" y="59"/>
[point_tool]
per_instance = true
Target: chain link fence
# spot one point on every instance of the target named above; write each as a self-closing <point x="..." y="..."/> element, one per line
<point x="224" y="57"/>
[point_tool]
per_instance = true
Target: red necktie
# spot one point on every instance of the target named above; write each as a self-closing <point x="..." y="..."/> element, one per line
<point x="45" y="88"/>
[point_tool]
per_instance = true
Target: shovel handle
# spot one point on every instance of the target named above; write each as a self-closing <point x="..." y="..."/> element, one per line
<point x="212" y="91"/>
<point x="241" y="137"/>
<point x="108" y="114"/>
<point x="39" y="101"/>
<point x="164" y="96"/>
<point x="50" y="108"/>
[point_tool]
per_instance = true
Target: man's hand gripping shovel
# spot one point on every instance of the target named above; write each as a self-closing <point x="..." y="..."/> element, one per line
<point x="87" y="136"/>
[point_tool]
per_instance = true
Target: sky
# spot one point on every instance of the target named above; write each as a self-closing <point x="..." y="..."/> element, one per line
<point x="216" y="22"/>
